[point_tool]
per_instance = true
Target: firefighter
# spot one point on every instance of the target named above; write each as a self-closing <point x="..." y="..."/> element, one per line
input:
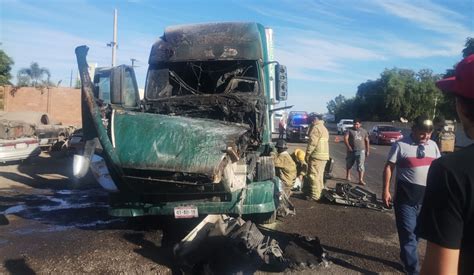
<point x="285" y="167"/>
<point x="301" y="168"/>
<point x="317" y="155"/>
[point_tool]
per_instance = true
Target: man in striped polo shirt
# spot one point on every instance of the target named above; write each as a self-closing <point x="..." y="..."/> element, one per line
<point x="412" y="156"/>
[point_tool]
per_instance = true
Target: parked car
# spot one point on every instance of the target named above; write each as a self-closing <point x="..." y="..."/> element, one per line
<point x="343" y="125"/>
<point x="297" y="126"/>
<point x="384" y="134"/>
<point x="18" y="149"/>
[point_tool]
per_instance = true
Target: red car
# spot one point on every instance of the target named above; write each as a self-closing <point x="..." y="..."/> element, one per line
<point x="384" y="134"/>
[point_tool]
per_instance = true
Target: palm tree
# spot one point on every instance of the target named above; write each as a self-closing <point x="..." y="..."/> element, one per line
<point x="33" y="75"/>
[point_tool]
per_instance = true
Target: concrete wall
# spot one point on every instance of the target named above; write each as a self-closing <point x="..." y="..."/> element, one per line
<point x="61" y="103"/>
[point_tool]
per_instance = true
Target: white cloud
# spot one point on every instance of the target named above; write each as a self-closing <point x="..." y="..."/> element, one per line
<point x="428" y="16"/>
<point x="304" y="51"/>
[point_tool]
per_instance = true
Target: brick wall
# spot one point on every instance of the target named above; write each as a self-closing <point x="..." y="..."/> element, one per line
<point x="62" y="104"/>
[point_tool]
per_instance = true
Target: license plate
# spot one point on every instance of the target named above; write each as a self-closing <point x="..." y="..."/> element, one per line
<point x="185" y="212"/>
<point x="21" y="146"/>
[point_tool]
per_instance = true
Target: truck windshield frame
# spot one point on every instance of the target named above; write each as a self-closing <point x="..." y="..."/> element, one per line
<point x="175" y="79"/>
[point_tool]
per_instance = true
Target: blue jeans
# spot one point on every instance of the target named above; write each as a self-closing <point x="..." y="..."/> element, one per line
<point x="405" y="217"/>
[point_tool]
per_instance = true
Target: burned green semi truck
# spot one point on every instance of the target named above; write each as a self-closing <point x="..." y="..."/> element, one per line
<point x="199" y="142"/>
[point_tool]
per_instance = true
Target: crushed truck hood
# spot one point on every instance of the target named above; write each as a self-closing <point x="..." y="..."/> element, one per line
<point x="172" y="143"/>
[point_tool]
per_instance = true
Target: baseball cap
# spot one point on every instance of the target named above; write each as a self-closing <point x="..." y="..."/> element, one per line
<point x="462" y="83"/>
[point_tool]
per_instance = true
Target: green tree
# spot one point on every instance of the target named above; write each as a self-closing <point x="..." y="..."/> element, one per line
<point x="5" y="67"/>
<point x="33" y="76"/>
<point x="334" y="106"/>
<point x="370" y="101"/>
<point x="468" y="50"/>
<point x="469" y="47"/>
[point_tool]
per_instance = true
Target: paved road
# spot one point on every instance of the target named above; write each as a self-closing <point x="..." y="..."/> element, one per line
<point x="56" y="225"/>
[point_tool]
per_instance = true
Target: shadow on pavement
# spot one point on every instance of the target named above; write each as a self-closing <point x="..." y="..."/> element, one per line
<point x="159" y="249"/>
<point x="392" y="264"/>
<point x="18" y="266"/>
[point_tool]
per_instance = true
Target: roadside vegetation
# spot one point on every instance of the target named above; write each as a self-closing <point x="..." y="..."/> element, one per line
<point x="6" y="64"/>
<point x="399" y="94"/>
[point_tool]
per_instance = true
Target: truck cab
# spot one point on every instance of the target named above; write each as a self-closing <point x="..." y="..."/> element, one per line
<point x="200" y="140"/>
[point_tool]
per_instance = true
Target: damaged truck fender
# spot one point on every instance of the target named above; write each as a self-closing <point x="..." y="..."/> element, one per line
<point x="199" y="141"/>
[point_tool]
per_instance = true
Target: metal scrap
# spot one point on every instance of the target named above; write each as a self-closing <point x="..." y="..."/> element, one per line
<point x="346" y="194"/>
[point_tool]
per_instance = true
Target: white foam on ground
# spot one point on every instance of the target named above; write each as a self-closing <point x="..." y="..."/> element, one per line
<point x="64" y="192"/>
<point x="15" y="209"/>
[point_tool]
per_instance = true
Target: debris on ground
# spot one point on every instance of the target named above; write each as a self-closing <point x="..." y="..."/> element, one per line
<point x="304" y="252"/>
<point x="285" y="206"/>
<point x="346" y="194"/>
<point x="225" y="245"/>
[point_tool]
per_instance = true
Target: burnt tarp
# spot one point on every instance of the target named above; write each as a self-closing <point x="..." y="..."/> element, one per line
<point x="226" y="245"/>
<point x="213" y="41"/>
<point x="173" y="143"/>
<point x="346" y="194"/>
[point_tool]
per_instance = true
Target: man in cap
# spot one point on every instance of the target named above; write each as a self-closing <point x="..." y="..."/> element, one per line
<point x="447" y="217"/>
<point x="317" y="154"/>
<point x="285" y="167"/>
<point x="412" y="156"/>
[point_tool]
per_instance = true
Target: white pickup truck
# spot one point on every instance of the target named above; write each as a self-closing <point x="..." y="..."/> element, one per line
<point x="343" y="125"/>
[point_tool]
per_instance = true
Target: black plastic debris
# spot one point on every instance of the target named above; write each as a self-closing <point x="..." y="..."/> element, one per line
<point x="304" y="252"/>
<point x="225" y="245"/>
<point x="285" y="206"/>
<point x="346" y="194"/>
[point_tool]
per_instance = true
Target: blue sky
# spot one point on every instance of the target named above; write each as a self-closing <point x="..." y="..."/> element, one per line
<point x="329" y="47"/>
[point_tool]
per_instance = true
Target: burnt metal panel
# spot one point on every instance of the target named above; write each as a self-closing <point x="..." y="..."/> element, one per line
<point x="213" y="41"/>
<point x="173" y="143"/>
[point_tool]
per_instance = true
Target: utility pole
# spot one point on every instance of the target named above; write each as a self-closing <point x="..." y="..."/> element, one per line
<point x="114" y="44"/>
<point x="133" y="62"/>
<point x="434" y="109"/>
<point x="70" y="80"/>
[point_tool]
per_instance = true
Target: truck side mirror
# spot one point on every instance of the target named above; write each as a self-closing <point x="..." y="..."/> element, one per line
<point x="124" y="88"/>
<point x="281" y="82"/>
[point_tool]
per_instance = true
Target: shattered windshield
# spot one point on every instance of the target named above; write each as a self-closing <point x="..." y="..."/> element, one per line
<point x="201" y="77"/>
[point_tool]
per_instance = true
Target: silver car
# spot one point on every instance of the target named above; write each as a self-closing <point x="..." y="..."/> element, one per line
<point x="19" y="149"/>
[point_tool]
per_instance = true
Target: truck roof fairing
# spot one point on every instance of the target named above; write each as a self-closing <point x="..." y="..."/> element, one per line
<point x="212" y="41"/>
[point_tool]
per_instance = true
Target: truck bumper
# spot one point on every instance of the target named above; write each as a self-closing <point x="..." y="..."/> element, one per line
<point x="259" y="197"/>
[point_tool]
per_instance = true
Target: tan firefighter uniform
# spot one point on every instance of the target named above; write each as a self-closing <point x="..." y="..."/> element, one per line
<point x="317" y="154"/>
<point x="285" y="169"/>
<point x="301" y="165"/>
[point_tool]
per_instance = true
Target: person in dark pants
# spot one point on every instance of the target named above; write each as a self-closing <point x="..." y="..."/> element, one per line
<point x="412" y="157"/>
<point x="281" y="128"/>
<point x="446" y="220"/>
